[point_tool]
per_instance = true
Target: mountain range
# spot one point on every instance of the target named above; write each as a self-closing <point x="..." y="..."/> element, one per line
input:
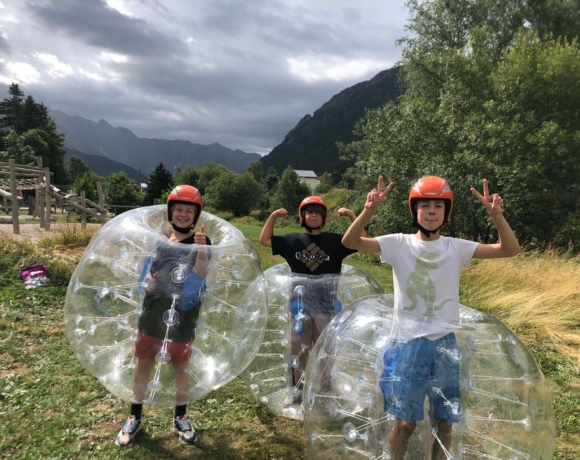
<point x="310" y="145"/>
<point x="123" y="146"/>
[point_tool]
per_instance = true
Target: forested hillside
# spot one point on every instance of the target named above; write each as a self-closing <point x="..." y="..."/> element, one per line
<point x="312" y="143"/>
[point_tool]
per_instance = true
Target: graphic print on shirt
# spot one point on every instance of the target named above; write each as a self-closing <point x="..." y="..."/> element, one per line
<point x="421" y="286"/>
<point x="313" y="257"/>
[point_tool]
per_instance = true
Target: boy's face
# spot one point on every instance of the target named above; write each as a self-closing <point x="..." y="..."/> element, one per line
<point x="313" y="217"/>
<point x="183" y="214"/>
<point x="430" y="213"/>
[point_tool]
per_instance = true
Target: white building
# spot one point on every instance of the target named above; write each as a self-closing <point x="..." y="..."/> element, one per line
<point x="308" y="177"/>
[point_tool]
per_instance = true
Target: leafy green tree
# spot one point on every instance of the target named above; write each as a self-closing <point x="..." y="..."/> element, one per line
<point x="47" y="142"/>
<point x="208" y="173"/>
<point x="17" y="150"/>
<point x="532" y="129"/>
<point x="189" y="176"/>
<point x="325" y="185"/>
<point x="88" y="183"/>
<point x="159" y="181"/>
<point x="271" y="179"/>
<point x="76" y="168"/>
<point x="119" y="189"/>
<point x="256" y="169"/>
<point x="485" y="98"/>
<point x="237" y="193"/>
<point x="290" y="191"/>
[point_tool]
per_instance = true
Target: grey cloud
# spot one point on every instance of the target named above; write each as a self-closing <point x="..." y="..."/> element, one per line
<point x="4" y="46"/>
<point x="93" y="22"/>
<point x="297" y="29"/>
<point x="232" y="85"/>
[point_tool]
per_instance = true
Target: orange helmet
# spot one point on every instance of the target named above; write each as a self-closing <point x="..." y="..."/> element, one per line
<point x="312" y="201"/>
<point x="431" y="188"/>
<point x="185" y="194"/>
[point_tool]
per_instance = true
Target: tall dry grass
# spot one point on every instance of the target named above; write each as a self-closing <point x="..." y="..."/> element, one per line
<point x="537" y="295"/>
<point x="68" y="234"/>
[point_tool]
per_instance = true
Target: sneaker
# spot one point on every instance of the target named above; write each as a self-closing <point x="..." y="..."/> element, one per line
<point x="291" y="400"/>
<point x="183" y="428"/>
<point x="130" y="429"/>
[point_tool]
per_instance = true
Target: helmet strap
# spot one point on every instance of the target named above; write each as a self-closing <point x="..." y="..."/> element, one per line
<point x="183" y="230"/>
<point x="426" y="232"/>
<point x="310" y="229"/>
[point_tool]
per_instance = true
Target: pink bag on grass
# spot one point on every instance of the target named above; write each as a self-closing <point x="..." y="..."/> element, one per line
<point x="34" y="275"/>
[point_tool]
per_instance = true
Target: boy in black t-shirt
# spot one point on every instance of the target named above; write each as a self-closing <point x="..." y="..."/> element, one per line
<point x="309" y="253"/>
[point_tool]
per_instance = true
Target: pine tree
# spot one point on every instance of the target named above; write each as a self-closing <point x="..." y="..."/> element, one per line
<point x="11" y="109"/>
<point x="29" y="119"/>
<point x="159" y="181"/>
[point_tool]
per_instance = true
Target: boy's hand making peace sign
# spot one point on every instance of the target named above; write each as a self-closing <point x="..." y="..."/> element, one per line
<point x="377" y="195"/>
<point x="492" y="203"/>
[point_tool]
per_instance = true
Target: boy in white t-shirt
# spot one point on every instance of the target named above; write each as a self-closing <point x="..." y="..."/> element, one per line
<point x="426" y="270"/>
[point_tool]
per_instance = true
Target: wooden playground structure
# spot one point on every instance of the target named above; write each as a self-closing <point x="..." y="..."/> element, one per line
<point x="15" y="177"/>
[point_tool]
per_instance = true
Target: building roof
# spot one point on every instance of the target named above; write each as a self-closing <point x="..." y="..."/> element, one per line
<point x="306" y="174"/>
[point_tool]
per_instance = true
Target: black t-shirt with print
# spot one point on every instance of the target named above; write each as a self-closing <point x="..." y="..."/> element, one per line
<point x="170" y="256"/>
<point x="312" y="254"/>
<point x="308" y="254"/>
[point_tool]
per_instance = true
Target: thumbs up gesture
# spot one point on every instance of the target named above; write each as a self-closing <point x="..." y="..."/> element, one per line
<point x="200" y="236"/>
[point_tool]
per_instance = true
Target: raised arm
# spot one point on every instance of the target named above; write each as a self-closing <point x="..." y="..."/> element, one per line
<point x="268" y="230"/>
<point x="345" y="212"/>
<point x="352" y="238"/>
<point x="508" y="245"/>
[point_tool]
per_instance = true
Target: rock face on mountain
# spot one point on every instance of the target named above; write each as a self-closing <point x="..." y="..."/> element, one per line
<point x="121" y="145"/>
<point x="311" y="144"/>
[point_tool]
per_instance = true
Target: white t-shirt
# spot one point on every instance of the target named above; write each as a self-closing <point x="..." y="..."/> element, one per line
<point x="426" y="280"/>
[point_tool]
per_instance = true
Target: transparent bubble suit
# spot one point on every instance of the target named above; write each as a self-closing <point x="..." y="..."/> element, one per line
<point x="503" y="409"/>
<point x="106" y="293"/>
<point x="299" y="305"/>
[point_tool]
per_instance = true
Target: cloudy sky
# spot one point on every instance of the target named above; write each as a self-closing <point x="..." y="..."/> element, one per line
<point x="238" y="72"/>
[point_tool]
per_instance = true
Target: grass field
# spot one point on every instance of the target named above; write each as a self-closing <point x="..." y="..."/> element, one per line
<point x="50" y="408"/>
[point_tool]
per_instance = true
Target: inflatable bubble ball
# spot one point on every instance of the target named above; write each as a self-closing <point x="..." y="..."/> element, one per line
<point x="300" y="306"/>
<point x="379" y="389"/>
<point x="164" y="323"/>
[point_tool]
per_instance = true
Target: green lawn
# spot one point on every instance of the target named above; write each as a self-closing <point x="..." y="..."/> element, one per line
<point x="50" y="408"/>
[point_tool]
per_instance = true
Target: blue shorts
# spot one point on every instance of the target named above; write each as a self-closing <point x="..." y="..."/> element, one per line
<point x="412" y="371"/>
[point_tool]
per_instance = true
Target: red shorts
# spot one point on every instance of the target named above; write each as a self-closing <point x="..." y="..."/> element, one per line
<point x="147" y="347"/>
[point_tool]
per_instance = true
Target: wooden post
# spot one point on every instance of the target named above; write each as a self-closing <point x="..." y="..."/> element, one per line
<point x="47" y="202"/>
<point x="14" y="192"/>
<point x="30" y="205"/>
<point x="39" y="195"/>
<point x="102" y="203"/>
<point x="83" y="213"/>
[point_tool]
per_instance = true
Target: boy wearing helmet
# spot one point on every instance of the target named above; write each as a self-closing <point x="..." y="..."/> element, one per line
<point x="310" y="253"/>
<point x="426" y="271"/>
<point x="184" y="206"/>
